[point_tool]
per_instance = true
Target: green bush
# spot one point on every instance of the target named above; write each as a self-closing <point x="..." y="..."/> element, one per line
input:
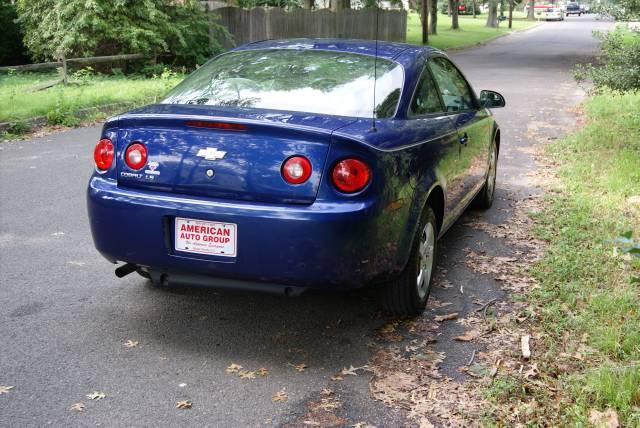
<point x="620" y="62"/>
<point x="178" y="31"/>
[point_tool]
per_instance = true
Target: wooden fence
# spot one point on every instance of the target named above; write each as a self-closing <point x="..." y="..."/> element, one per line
<point x="249" y="25"/>
<point x="87" y="60"/>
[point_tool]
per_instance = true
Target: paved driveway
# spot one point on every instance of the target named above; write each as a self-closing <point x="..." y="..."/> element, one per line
<point x="64" y="316"/>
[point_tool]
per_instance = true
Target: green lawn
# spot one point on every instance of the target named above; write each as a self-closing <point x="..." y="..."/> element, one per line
<point x="589" y="300"/>
<point x="20" y="101"/>
<point x="472" y="31"/>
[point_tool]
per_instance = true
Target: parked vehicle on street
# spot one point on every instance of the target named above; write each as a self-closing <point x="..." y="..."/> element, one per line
<point x="276" y="166"/>
<point x="573" y="8"/>
<point x="539" y="10"/>
<point x="554" y="14"/>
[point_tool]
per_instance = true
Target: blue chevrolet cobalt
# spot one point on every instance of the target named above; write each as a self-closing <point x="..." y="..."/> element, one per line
<point x="295" y="164"/>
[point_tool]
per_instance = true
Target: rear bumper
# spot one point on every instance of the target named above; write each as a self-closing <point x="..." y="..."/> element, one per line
<point x="322" y="245"/>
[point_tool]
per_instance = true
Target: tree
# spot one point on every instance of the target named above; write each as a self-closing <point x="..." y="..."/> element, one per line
<point x="425" y="22"/>
<point x="622" y="10"/>
<point x="511" y="13"/>
<point x="492" y="17"/>
<point x="433" y="27"/>
<point x="454" y="14"/>
<point x="531" y="12"/>
<point x="107" y="27"/>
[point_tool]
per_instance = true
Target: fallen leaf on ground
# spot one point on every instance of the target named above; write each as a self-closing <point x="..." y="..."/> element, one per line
<point x="446" y="317"/>
<point x="5" y="389"/>
<point x="233" y="368"/>
<point x="96" y="395"/>
<point x="280" y="396"/>
<point x="299" y="367"/>
<point x="606" y="419"/>
<point x="351" y="370"/>
<point x="262" y="371"/>
<point x="183" y="404"/>
<point x="468" y="336"/>
<point x="326" y="392"/>
<point x="532" y="372"/>
<point x="524" y="344"/>
<point x="244" y="374"/>
<point x="131" y="343"/>
<point x="337" y="378"/>
<point x="78" y="407"/>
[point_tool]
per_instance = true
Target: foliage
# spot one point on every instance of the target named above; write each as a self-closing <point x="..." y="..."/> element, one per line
<point x="188" y="41"/>
<point x="620" y="62"/>
<point x="587" y="303"/>
<point x="622" y="10"/>
<point x="12" y="51"/>
<point x="109" y="27"/>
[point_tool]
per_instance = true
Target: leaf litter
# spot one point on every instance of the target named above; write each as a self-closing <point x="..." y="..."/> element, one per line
<point x="5" y="389"/>
<point x="409" y="377"/>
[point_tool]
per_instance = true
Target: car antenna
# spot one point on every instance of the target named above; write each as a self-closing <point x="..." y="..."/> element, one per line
<point x="375" y="70"/>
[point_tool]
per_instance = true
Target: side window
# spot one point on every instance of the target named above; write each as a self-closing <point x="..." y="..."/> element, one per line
<point x="426" y="99"/>
<point x="456" y="92"/>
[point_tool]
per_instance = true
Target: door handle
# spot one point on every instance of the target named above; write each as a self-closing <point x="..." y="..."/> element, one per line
<point x="464" y="139"/>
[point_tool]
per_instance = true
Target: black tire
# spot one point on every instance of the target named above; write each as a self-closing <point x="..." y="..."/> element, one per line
<point x="407" y="295"/>
<point x="484" y="200"/>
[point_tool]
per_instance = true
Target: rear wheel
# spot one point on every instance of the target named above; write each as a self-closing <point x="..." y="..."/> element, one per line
<point x="407" y="295"/>
<point x="485" y="197"/>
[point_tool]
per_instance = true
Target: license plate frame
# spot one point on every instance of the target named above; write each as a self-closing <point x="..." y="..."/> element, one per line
<point x="205" y="237"/>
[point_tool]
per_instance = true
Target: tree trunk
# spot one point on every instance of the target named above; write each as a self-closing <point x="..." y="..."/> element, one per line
<point x="510" y="13"/>
<point x="454" y="15"/>
<point x="425" y="22"/>
<point x="434" y="17"/>
<point x="475" y="8"/>
<point x="337" y="5"/>
<point x="308" y="4"/>
<point x="492" y="17"/>
<point x="531" y="13"/>
<point x="449" y="7"/>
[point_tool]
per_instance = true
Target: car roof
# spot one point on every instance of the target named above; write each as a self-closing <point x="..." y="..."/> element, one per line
<point x="388" y="50"/>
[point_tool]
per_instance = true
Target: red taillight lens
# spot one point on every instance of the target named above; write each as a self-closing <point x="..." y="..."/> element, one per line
<point x="103" y="154"/>
<point x="136" y="156"/>
<point x="296" y="170"/>
<point x="350" y="175"/>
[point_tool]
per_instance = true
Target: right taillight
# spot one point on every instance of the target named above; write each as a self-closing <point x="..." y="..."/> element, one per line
<point x="350" y="175"/>
<point x="103" y="154"/>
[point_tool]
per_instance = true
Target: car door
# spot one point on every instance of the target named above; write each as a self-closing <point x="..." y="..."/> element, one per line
<point x="473" y="124"/>
<point x="428" y="119"/>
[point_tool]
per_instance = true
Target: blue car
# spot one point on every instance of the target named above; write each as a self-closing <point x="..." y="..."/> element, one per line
<point x="294" y="164"/>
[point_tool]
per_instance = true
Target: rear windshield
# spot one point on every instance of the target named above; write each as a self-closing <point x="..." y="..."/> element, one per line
<point x="313" y="81"/>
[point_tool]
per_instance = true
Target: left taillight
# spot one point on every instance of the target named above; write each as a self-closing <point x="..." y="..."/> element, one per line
<point x="103" y="154"/>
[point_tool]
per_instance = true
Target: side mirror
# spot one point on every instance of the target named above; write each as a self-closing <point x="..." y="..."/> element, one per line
<point x="491" y="99"/>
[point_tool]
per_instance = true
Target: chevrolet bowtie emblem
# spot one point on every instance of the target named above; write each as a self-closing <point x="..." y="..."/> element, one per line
<point x="211" y="153"/>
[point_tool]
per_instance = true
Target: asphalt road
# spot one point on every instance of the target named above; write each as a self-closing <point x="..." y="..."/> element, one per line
<point x="64" y="316"/>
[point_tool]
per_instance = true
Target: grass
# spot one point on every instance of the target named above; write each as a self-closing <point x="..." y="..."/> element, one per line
<point x="21" y="101"/>
<point x="588" y="299"/>
<point x="472" y="31"/>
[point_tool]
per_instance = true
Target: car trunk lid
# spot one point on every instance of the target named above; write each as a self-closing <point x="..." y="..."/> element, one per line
<point x="224" y="153"/>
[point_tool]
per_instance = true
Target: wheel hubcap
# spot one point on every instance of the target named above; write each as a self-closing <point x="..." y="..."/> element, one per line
<point x="425" y="259"/>
<point x="491" y="182"/>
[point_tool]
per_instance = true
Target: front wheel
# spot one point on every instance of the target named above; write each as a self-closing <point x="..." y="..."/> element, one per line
<point x="408" y="294"/>
<point x="485" y="197"/>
